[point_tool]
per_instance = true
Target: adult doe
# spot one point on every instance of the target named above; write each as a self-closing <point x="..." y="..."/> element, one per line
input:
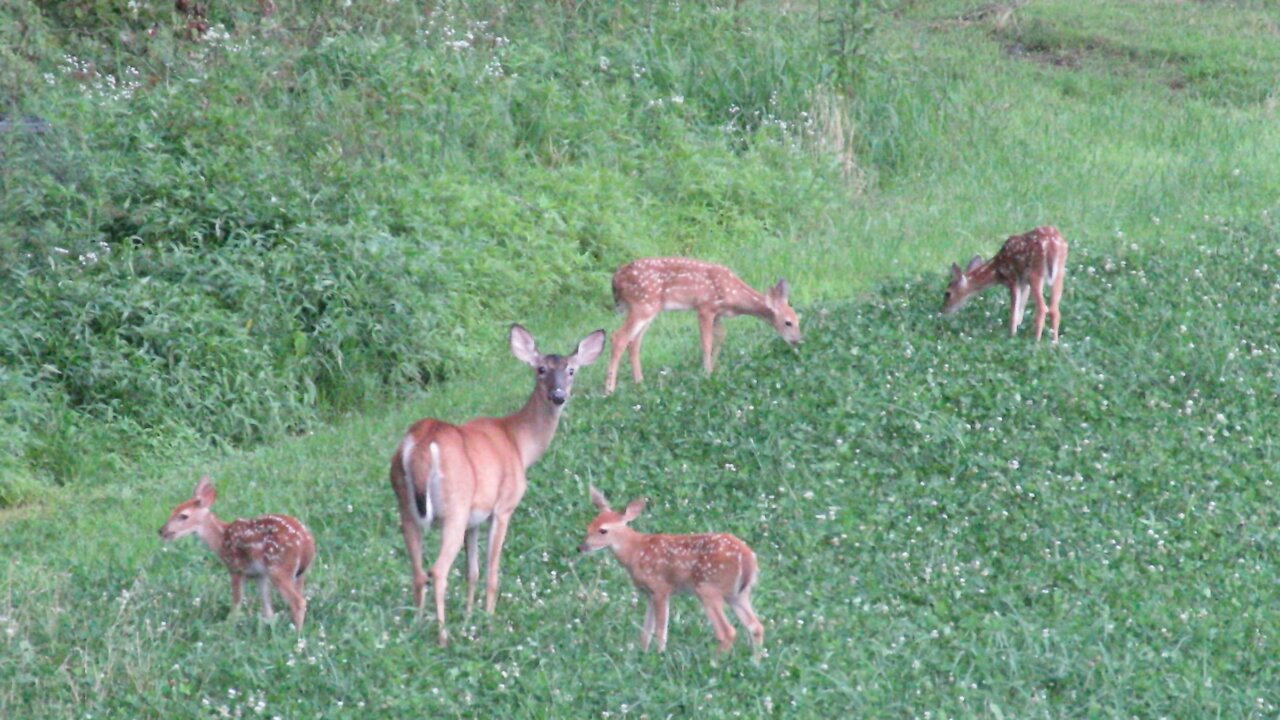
<point x="717" y="567"/>
<point x="1024" y="265"/>
<point x="644" y="288"/>
<point x="457" y="477"/>
<point x="275" y="549"/>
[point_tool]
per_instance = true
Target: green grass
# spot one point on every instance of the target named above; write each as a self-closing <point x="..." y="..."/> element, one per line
<point x="949" y="522"/>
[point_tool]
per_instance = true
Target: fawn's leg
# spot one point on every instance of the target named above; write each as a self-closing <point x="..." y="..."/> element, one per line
<point x="1015" y="296"/>
<point x="1037" y="289"/>
<point x="1056" y="297"/>
<point x="1023" y="292"/>
<point x="636" y="318"/>
<point x="646" y="635"/>
<point x="264" y="589"/>
<point x="661" y="614"/>
<point x="636" y="372"/>
<point x="706" y="327"/>
<point x="713" y="603"/>
<point x="747" y="616"/>
<point x="284" y="581"/>
<point x="717" y="332"/>
<point x="237" y="591"/>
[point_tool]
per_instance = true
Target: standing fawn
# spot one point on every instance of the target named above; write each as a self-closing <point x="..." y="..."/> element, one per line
<point x="458" y="476"/>
<point x="717" y="567"/>
<point x="1024" y="265"/>
<point x="644" y="288"/>
<point x="275" y="548"/>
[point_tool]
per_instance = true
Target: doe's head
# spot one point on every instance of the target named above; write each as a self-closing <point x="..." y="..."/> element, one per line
<point x="190" y="515"/>
<point x="959" y="290"/>
<point x="604" y="530"/>
<point x="783" y="317"/>
<point x="555" y="372"/>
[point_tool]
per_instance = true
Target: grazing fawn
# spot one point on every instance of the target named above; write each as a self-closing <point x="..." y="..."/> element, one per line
<point x="459" y="476"/>
<point x="717" y="567"/>
<point x="275" y="548"/>
<point x="1024" y="265"/>
<point x="644" y="288"/>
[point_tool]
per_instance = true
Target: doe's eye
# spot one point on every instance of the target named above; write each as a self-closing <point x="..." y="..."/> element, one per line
<point x="603" y="531"/>
<point x="571" y="371"/>
<point x="542" y="370"/>
<point x="788" y="323"/>
<point x="183" y="516"/>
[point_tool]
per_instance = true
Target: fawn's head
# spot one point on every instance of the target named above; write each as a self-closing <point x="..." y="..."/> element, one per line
<point x="959" y="289"/>
<point x="190" y="515"/>
<point x="784" y="319"/>
<point x="555" y="373"/>
<point x="604" y="530"/>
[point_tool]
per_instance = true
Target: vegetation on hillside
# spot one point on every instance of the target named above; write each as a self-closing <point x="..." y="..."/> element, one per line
<point x="216" y="221"/>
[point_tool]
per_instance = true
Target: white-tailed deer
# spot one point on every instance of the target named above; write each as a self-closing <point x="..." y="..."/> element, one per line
<point x="275" y="548"/>
<point x="644" y="288"/>
<point x="717" y="567"/>
<point x="459" y="476"/>
<point x="1024" y="265"/>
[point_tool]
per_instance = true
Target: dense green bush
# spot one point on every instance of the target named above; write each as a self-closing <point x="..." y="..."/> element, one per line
<point x="221" y="221"/>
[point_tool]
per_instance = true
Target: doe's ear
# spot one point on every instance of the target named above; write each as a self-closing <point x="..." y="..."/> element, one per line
<point x="633" y="510"/>
<point x="523" y="346"/>
<point x="590" y="348"/>
<point x="597" y="499"/>
<point x="205" y="493"/>
<point x="974" y="263"/>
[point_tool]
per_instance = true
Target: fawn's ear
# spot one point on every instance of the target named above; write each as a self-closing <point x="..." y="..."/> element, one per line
<point x="524" y="347"/>
<point x="597" y="499"/>
<point x="956" y="271"/>
<point x="205" y="493"/>
<point x="974" y="263"/>
<point x="781" y="291"/>
<point x="633" y="510"/>
<point x="590" y="348"/>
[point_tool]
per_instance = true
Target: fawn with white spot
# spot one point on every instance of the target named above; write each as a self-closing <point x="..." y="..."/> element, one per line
<point x="1024" y="265"/>
<point x="716" y="567"/>
<point x="644" y="288"/>
<point x="459" y="476"/>
<point x="277" y="549"/>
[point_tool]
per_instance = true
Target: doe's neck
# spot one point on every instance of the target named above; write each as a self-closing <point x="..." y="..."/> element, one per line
<point x="534" y="426"/>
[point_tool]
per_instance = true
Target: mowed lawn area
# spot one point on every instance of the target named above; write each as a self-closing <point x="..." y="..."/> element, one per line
<point x="949" y="522"/>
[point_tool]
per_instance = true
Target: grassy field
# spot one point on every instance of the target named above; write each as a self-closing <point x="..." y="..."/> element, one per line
<point x="950" y="523"/>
